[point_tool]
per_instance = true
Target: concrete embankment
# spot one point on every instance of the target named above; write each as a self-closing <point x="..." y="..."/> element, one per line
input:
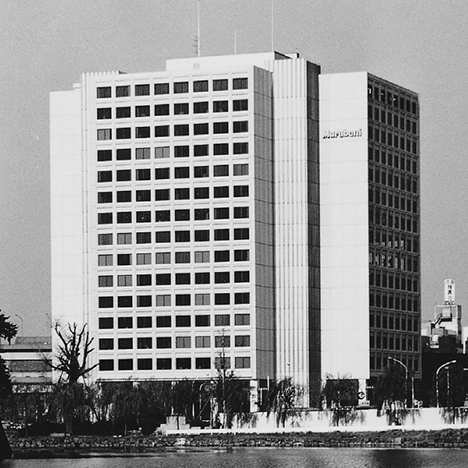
<point x="82" y="446"/>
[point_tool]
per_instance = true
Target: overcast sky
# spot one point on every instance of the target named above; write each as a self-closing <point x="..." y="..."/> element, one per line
<point x="47" y="44"/>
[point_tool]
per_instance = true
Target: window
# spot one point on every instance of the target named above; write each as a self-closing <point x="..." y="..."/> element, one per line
<point x="182" y="257"/>
<point x="220" y="149"/>
<point x="125" y="301"/>
<point x="123" y="133"/>
<point x="222" y="320"/>
<point x="163" y="300"/>
<point x="106" y="323"/>
<point x="125" y="322"/>
<point x="182" y="300"/>
<point x="221" y="234"/>
<point x="124" y="259"/>
<point x="106" y="281"/>
<point x="144" y="280"/>
<point x="242" y="298"/>
<point x="142" y="132"/>
<point x="124" y="238"/>
<point x="241" y="212"/>
<point x="104" y="155"/>
<point x="221" y="192"/>
<point x="105" y="239"/>
<point x="240" y="105"/>
<point x="200" y="86"/>
<point x="106" y="343"/>
<point x="181" y="108"/>
<point x="182" y="172"/>
<point x="161" y="88"/>
<point x="183" y="363"/>
<point x="181" y="152"/>
<point x="200" y="107"/>
<point x="142" y="90"/>
<point x="222" y="341"/>
<point x="222" y="299"/>
<point x="221" y="213"/>
<point x="163" y="342"/>
<point x="200" y="129"/>
<point x="220" y="127"/>
<point x="182" y="215"/>
<point x="202" y="235"/>
<point x="204" y="362"/>
<point x="182" y="278"/>
<point x="124" y="217"/>
<point x="104" y="113"/>
<point x="239" y="83"/>
<point x="242" y="276"/>
<point x="200" y="193"/>
<point x="241" y="319"/>
<point x="106" y="302"/>
<point x="162" y="152"/>
<point x="182" y="236"/>
<point x="145" y="322"/>
<point x="105" y="260"/>
<point x="222" y="256"/>
<point x="122" y="91"/>
<point x="162" y="173"/>
<point x="163" y="279"/>
<point x="221" y="170"/>
<point x="104" y="92"/>
<point x="162" y="194"/>
<point x="163" y="216"/>
<point x="104" y="134"/>
<point x="202" y="320"/>
<point x="124" y="154"/>
<point x="161" y="109"/>
<point x="142" y="111"/>
<point x="161" y="131"/>
<point x="181" y="87"/>
<point x="125" y="343"/>
<point x="241" y="126"/>
<point x="125" y="364"/>
<point x="163" y="237"/>
<point x="124" y="175"/>
<point x="106" y="365"/>
<point x="183" y="321"/>
<point x="241" y="191"/>
<point x="202" y="214"/>
<point x="202" y="257"/>
<point x="143" y="195"/>
<point x="164" y="364"/>
<point x="183" y="342"/>
<point x="241" y="169"/>
<point x="104" y="218"/>
<point x="143" y="174"/>
<point x="124" y="196"/>
<point x="220" y="106"/>
<point x="200" y="150"/>
<point x="123" y="112"/>
<point x="241" y="233"/>
<point x="104" y="197"/>
<point x="163" y="321"/>
<point x="220" y="85"/>
<point x="163" y="258"/>
<point x="242" y="362"/>
<point x="124" y="280"/>
<point x="241" y="148"/>
<point x="144" y="364"/>
<point x="222" y="277"/>
<point x="182" y="193"/>
<point x="202" y="299"/>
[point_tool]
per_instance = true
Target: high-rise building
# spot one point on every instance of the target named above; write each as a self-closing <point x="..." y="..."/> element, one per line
<point x="370" y="230"/>
<point x="192" y="224"/>
<point x="185" y="218"/>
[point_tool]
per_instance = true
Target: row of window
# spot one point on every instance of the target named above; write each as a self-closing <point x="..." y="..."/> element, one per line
<point x="379" y="361"/>
<point x="165" y="300"/>
<point x="390" y="179"/>
<point x="165" y="258"/>
<point x="162" y="131"/>
<point x="164" y="279"/>
<point x="393" y="98"/>
<point x="125" y="217"/>
<point x="399" y="122"/>
<point x="392" y="200"/>
<point x="180" y="342"/>
<point x="406" y="263"/>
<point x="178" y="194"/>
<point x="392" y="240"/>
<point x="397" y="343"/>
<point x="394" y="322"/>
<point x="394" y="302"/>
<point x="178" y="87"/>
<point x="182" y="108"/>
<point x="396" y="160"/>
<point x="393" y="220"/>
<point x="167" y="363"/>
<point x="397" y="282"/>
<point x="381" y="135"/>
<point x="181" y="321"/>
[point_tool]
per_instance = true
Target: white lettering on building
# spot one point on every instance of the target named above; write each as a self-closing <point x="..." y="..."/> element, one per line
<point x="328" y="134"/>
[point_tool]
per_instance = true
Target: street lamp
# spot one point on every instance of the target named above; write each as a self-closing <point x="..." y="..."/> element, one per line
<point x="406" y="381"/>
<point x="437" y="378"/>
<point x="22" y="325"/>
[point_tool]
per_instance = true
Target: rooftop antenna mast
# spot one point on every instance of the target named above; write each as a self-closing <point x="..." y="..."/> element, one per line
<point x="198" y="29"/>
<point x="272" y="25"/>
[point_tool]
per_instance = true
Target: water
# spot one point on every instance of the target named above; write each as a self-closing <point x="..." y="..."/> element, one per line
<point x="267" y="458"/>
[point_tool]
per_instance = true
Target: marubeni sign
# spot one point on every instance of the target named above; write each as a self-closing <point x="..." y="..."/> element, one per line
<point x="329" y="135"/>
